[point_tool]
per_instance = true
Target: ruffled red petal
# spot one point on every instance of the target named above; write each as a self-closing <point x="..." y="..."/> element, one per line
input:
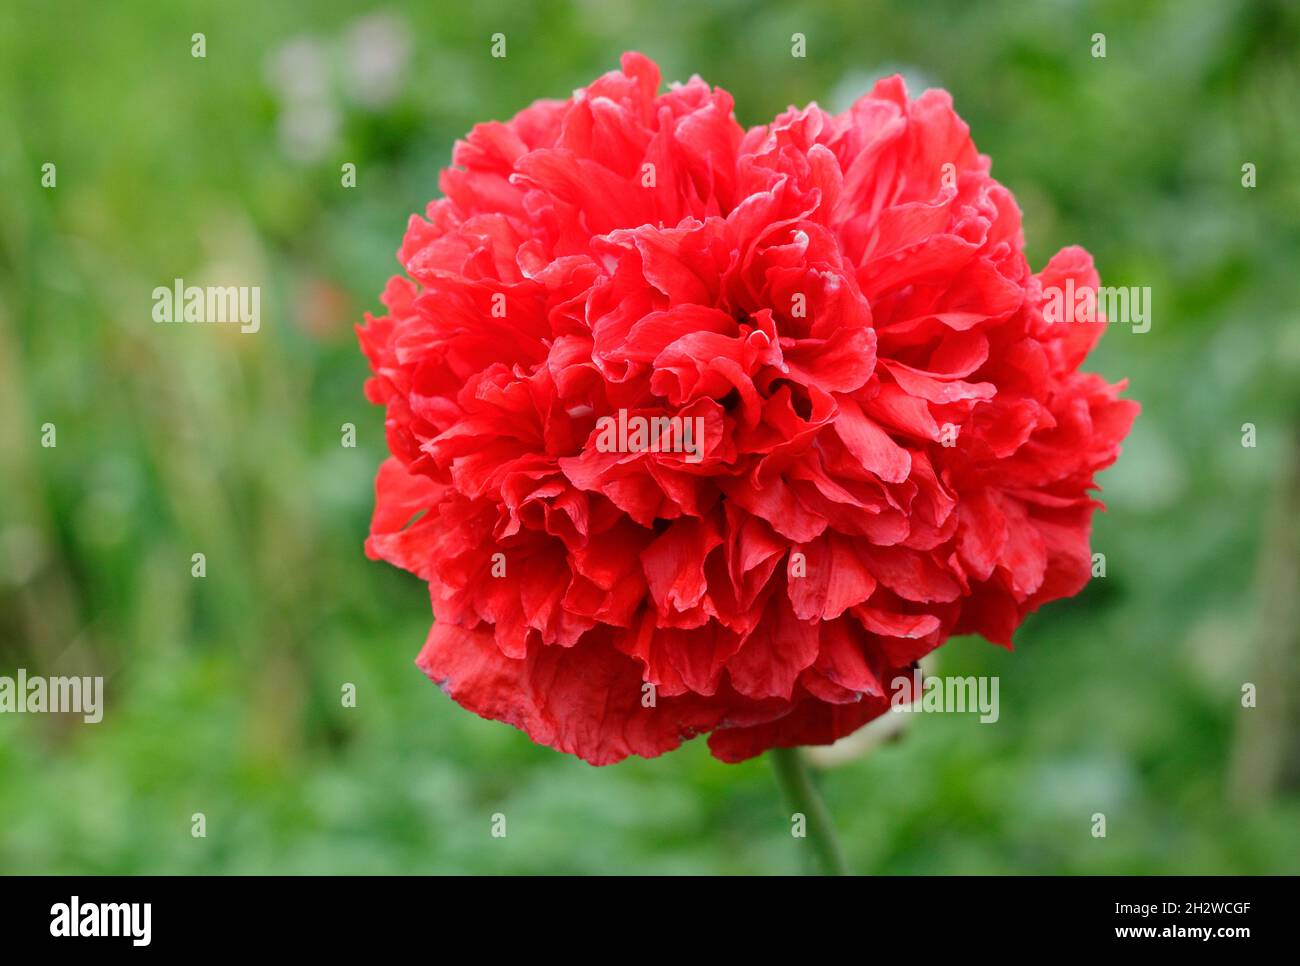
<point x="895" y="443"/>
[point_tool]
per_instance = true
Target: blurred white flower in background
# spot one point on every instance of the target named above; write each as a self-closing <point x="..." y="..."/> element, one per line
<point x="308" y="130"/>
<point x="298" y="74"/>
<point x="377" y="49"/>
<point x="298" y="70"/>
<point x="310" y="77"/>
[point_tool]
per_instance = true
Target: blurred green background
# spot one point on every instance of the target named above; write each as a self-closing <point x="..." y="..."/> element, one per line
<point x="223" y="693"/>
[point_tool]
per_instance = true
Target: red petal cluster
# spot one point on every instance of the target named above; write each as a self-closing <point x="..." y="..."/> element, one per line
<point x="898" y="446"/>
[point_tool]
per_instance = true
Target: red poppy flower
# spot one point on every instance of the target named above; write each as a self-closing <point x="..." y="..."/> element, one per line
<point x="893" y="444"/>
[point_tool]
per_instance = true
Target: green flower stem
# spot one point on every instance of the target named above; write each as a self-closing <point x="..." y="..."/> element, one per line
<point x="802" y="796"/>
